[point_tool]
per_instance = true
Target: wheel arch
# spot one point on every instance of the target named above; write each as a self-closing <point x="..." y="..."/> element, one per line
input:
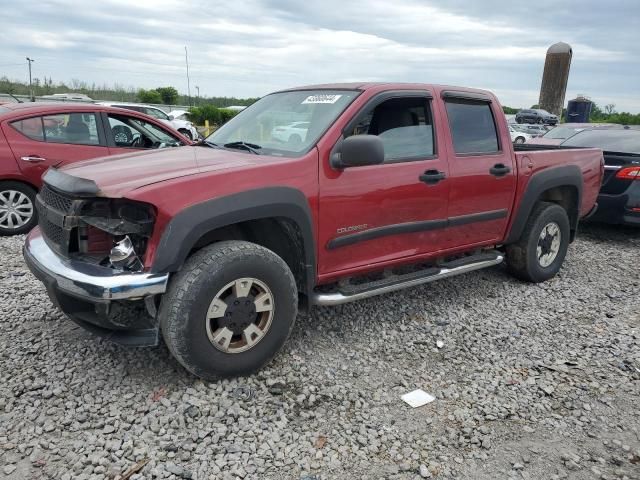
<point x="278" y="218"/>
<point x="561" y="185"/>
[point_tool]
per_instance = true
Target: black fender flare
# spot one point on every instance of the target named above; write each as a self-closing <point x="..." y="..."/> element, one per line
<point x="561" y="176"/>
<point x="188" y="226"/>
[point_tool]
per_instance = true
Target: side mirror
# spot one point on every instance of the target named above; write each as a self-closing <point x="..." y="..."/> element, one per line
<point x="358" y="151"/>
<point x="171" y="117"/>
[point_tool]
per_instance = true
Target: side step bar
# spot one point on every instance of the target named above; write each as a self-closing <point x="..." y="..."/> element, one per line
<point x="399" y="282"/>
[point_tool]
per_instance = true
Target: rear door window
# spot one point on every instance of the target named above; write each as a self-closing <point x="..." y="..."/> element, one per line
<point x="71" y="128"/>
<point x="472" y="125"/>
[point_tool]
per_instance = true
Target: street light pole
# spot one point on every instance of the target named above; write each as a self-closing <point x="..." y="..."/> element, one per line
<point x="186" y="59"/>
<point x="198" y="94"/>
<point x="29" y="60"/>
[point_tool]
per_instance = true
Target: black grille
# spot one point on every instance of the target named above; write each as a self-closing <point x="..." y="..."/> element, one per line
<point x="55" y="200"/>
<point x="52" y="232"/>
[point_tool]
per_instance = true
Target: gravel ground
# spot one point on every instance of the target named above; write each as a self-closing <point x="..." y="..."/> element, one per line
<point x="531" y="381"/>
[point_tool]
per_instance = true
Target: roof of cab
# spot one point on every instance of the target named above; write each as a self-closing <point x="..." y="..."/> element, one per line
<point x="384" y="86"/>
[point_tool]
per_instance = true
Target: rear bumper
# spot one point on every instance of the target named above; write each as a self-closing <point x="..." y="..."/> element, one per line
<point x="619" y="209"/>
<point x="105" y="301"/>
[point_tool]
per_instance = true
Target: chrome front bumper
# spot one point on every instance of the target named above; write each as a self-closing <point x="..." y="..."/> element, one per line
<point x="89" y="282"/>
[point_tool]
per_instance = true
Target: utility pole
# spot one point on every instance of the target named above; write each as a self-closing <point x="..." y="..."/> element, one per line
<point x="186" y="59"/>
<point x="29" y="60"/>
<point x="197" y="94"/>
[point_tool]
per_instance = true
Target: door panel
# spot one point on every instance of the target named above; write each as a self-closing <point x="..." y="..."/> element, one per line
<point x="379" y="213"/>
<point x="483" y="175"/>
<point x="34" y="155"/>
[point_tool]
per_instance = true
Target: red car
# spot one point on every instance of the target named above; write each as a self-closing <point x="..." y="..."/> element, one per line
<point x="36" y="136"/>
<point x="214" y="246"/>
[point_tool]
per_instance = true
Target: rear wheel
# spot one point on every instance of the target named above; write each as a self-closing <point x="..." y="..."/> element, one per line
<point x="519" y="140"/>
<point x="229" y="310"/>
<point x="539" y="253"/>
<point x="17" y="208"/>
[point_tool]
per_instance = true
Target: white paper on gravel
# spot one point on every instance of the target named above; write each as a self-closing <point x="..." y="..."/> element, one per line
<point x="417" y="398"/>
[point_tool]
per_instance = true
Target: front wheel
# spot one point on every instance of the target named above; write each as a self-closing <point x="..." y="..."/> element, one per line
<point x="519" y="140"/>
<point x="229" y="310"/>
<point x="539" y="253"/>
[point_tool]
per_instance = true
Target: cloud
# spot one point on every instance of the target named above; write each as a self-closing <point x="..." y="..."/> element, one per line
<point x="252" y="47"/>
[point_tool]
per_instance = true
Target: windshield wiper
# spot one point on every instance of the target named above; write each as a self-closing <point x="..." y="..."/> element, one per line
<point x="208" y="144"/>
<point x="252" y="147"/>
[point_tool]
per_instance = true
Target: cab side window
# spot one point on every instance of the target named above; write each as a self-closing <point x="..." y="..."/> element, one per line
<point x="473" y="128"/>
<point x="404" y="125"/>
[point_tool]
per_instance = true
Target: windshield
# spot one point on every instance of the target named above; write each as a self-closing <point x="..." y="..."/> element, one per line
<point x="561" y="133"/>
<point x="625" y="141"/>
<point x="286" y="123"/>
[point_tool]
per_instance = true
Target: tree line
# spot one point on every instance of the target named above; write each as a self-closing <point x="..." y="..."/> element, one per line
<point x="117" y="93"/>
<point x="607" y="114"/>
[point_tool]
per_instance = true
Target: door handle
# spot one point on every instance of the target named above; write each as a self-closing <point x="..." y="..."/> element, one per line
<point x="431" y="177"/>
<point x="499" y="170"/>
<point x="33" y="159"/>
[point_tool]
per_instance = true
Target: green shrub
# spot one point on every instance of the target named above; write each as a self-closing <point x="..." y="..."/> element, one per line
<point x="216" y="116"/>
<point x="149" y="96"/>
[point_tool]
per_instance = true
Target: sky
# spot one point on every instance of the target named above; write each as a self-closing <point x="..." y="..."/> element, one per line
<point x="248" y="48"/>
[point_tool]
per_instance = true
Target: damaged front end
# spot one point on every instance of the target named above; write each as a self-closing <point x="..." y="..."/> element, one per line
<point x="90" y="253"/>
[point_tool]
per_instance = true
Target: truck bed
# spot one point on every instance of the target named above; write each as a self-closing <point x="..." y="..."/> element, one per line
<point x="534" y="158"/>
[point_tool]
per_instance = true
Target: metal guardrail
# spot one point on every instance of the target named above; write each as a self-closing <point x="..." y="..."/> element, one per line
<point x="27" y="99"/>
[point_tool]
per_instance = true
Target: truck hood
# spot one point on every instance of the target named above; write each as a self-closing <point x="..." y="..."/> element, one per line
<point x="117" y="175"/>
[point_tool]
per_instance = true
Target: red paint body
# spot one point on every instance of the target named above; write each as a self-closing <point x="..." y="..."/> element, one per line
<point x="379" y="195"/>
<point x="14" y="145"/>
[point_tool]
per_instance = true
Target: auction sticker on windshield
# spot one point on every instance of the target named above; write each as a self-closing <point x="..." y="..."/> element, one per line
<point x="321" y="99"/>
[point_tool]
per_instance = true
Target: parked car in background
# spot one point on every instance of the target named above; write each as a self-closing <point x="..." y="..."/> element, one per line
<point x="557" y="135"/>
<point x="619" y="199"/>
<point x="185" y="127"/>
<point x="536" y="115"/>
<point x="215" y="248"/>
<point x="179" y="115"/>
<point x="69" y="96"/>
<point x="518" y="136"/>
<point x="292" y="132"/>
<point x="36" y="136"/>
<point x="532" y="129"/>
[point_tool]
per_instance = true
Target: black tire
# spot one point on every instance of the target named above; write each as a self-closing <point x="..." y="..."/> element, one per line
<point x="183" y="310"/>
<point x="540" y="121"/>
<point x="295" y="139"/>
<point x="186" y="133"/>
<point x="518" y="120"/>
<point x="519" y="140"/>
<point x="30" y="192"/>
<point x="522" y="257"/>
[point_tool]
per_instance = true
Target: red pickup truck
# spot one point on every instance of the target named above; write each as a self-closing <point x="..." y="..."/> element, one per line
<point x="383" y="186"/>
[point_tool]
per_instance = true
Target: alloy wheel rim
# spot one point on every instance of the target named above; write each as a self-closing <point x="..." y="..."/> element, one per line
<point x="16" y="209"/>
<point x="548" y="244"/>
<point x="240" y="315"/>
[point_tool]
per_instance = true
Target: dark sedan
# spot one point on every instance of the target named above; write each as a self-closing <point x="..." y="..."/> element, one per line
<point x="536" y="115"/>
<point x="619" y="199"/>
